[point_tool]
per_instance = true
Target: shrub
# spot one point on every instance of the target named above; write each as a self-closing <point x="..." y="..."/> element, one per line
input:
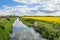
<point x="48" y="30"/>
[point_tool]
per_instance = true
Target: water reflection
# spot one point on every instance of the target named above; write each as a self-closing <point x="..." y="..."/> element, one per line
<point x="22" y="32"/>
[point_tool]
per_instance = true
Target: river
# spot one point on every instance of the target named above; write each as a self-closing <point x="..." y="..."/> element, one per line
<point x="22" y="32"/>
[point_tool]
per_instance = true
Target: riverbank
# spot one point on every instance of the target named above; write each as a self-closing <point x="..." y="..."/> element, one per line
<point x="6" y="27"/>
<point x="48" y="29"/>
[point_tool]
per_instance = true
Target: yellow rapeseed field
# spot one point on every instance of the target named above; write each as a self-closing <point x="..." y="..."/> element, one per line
<point x="45" y="18"/>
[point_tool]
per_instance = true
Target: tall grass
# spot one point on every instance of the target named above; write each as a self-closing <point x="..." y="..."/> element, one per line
<point x="6" y="27"/>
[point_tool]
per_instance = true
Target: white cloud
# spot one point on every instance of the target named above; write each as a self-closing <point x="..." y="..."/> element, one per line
<point x="15" y="10"/>
<point x="27" y="1"/>
<point x="50" y="4"/>
<point x="32" y="1"/>
<point x="4" y="13"/>
<point x="52" y="8"/>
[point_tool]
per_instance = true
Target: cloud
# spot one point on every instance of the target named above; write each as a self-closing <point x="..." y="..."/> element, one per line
<point x="19" y="10"/>
<point x="27" y="1"/>
<point x="3" y="13"/>
<point x="51" y="8"/>
<point x="24" y="10"/>
<point x="49" y="4"/>
<point x="47" y="11"/>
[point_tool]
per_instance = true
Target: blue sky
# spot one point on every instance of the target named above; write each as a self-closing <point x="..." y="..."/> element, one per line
<point x="30" y="7"/>
<point x="10" y="3"/>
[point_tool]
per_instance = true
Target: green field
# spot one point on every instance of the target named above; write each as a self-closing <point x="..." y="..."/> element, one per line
<point x="6" y="27"/>
<point x="49" y="30"/>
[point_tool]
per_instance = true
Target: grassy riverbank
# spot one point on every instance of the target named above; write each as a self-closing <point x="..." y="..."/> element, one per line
<point x="6" y="27"/>
<point x="48" y="27"/>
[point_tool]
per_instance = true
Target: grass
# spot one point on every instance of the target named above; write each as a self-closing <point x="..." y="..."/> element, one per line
<point x="46" y="27"/>
<point x="6" y="27"/>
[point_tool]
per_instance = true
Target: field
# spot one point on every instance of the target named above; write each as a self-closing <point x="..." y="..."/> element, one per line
<point x="48" y="27"/>
<point x="46" y="18"/>
<point x="6" y="27"/>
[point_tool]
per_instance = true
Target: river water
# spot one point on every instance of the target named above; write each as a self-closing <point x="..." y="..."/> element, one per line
<point x="22" y="32"/>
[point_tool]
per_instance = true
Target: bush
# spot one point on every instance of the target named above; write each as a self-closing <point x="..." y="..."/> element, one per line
<point x="48" y="30"/>
<point x="6" y="28"/>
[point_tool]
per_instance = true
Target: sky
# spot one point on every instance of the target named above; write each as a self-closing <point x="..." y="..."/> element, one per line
<point x="30" y="7"/>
